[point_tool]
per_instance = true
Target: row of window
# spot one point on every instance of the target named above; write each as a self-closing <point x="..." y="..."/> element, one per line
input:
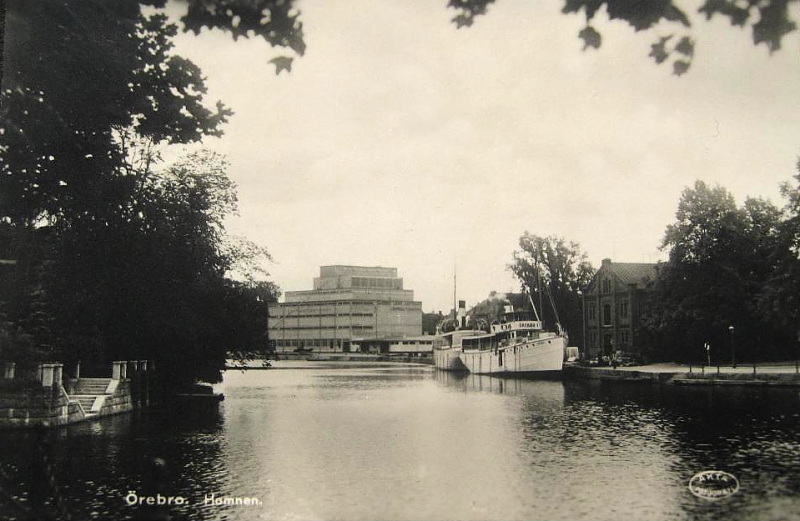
<point x="322" y="315"/>
<point x="314" y="342"/>
<point x="608" y="340"/>
<point x="371" y="303"/>
<point x="372" y="282"/>
<point x="622" y="311"/>
<point x="295" y="328"/>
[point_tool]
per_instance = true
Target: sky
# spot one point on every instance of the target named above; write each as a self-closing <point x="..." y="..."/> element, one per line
<point x="398" y="140"/>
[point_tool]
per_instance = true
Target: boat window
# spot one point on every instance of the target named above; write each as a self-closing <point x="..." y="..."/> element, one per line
<point x="524" y="315"/>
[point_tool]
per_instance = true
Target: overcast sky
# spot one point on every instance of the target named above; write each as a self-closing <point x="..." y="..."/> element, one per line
<point x="398" y="140"/>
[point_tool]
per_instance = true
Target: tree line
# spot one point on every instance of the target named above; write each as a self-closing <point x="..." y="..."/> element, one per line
<point x="107" y="253"/>
<point x="728" y="266"/>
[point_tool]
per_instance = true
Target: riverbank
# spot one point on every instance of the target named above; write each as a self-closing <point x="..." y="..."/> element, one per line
<point x="336" y="357"/>
<point x="678" y="374"/>
<point x="48" y="398"/>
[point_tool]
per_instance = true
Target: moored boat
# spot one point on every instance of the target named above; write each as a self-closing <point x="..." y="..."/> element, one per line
<point x="447" y="342"/>
<point x="515" y="345"/>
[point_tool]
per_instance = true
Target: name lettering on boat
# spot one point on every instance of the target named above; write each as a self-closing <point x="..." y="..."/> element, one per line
<point x="520" y="325"/>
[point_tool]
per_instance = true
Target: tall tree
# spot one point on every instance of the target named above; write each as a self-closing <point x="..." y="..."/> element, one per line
<point x="553" y="271"/>
<point x="153" y="283"/>
<point x="720" y="257"/>
<point x="113" y="259"/>
<point x="779" y="300"/>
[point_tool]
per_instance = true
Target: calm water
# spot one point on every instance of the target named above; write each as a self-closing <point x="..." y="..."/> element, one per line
<point x="386" y="441"/>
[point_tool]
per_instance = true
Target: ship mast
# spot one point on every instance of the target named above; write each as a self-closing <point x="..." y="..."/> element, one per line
<point x="539" y="286"/>
<point x="455" y="309"/>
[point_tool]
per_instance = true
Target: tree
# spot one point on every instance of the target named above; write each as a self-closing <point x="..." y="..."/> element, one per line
<point x="779" y="300"/>
<point x="720" y="257"/>
<point x="152" y="282"/>
<point x="113" y="259"/>
<point x="769" y="21"/>
<point x="552" y="271"/>
<point x="430" y="321"/>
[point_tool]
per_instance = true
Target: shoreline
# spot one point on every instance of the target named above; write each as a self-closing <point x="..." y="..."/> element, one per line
<point x="674" y="374"/>
<point x="774" y="375"/>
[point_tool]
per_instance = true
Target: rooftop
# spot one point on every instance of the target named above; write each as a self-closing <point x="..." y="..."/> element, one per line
<point x="637" y="273"/>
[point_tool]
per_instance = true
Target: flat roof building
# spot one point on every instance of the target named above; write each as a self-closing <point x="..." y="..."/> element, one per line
<point x="347" y="302"/>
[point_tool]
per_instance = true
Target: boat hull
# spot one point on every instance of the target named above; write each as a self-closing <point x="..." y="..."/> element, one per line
<point x="448" y="360"/>
<point x="539" y="357"/>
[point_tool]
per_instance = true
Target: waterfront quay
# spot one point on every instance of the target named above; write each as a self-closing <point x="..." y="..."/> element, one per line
<point x="685" y="374"/>
<point x="47" y="397"/>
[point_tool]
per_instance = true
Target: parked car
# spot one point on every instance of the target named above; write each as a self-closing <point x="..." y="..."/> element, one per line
<point x="628" y="359"/>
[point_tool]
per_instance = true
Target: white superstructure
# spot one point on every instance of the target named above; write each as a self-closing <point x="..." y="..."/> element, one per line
<point x="516" y="344"/>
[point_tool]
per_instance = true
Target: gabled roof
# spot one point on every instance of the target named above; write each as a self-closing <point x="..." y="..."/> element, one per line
<point x="637" y="273"/>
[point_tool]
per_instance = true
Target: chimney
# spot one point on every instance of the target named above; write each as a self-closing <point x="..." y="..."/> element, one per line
<point x="462" y="313"/>
<point x="605" y="263"/>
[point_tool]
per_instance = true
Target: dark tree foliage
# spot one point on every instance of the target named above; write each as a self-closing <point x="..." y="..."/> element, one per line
<point x="769" y="21"/>
<point x="492" y="308"/>
<point x="720" y="258"/>
<point x="552" y="268"/>
<point x="113" y="260"/>
<point x="780" y="296"/>
<point x="74" y="71"/>
<point x="277" y="21"/>
<point x="430" y="321"/>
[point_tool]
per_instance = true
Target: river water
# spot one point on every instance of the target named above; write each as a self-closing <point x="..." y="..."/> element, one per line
<point x="316" y="440"/>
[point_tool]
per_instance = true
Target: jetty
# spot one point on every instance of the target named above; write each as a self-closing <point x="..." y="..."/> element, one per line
<point x="47" y="397"/>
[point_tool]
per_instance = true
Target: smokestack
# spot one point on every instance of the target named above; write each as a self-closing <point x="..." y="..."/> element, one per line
<point x="462" y="313"/>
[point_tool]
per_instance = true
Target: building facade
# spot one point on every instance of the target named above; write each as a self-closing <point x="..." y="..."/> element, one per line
<point x="612" y="307"/>
<point x="347" y="302"/>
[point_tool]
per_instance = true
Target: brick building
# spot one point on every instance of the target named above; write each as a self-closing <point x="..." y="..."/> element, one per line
<point x="613" y="305"/>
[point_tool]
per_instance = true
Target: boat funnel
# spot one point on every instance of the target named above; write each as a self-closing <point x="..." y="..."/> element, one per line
<point x="462" y="313"/>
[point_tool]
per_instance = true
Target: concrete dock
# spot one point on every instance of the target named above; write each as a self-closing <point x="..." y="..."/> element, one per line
<point x="680" y="374"/>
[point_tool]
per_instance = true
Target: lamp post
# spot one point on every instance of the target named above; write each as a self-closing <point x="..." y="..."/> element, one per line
<point x="583" y="323"/>
<point x="733" y="347"/>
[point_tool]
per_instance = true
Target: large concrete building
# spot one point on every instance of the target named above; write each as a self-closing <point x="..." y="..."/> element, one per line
<point x="347" y="302"/>
<point x="613" y="304"/>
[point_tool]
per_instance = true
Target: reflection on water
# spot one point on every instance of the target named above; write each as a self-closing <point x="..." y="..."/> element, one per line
<point x="395" y="441"/>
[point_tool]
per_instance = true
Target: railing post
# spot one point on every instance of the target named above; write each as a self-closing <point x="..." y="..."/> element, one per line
<point x="118" y="370"/>
<point x="58" y="374"/>
<point x="9" y="368"/>
<point x="47" y="374"/>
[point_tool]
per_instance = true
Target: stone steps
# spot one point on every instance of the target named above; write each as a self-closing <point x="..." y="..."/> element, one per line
<point x="86" y="401"/>
<point x="92" y="385"/>
<point x="86" y="392"/>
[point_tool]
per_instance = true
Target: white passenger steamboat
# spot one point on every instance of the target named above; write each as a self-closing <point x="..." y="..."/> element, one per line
<point x="448" y="341"/>
<point x="516" y="344"/>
